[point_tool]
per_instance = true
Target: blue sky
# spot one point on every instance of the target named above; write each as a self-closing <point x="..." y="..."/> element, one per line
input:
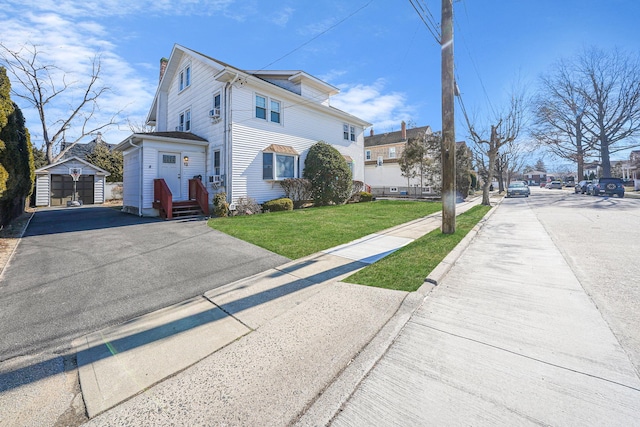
<point x="378" y="52"/>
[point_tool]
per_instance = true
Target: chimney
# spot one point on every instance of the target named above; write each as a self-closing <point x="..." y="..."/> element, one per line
<point x="371" y="132"/>
<point x="163" y="66"/>
<point x="99" y="138"/>
<point x="404" y="130"/>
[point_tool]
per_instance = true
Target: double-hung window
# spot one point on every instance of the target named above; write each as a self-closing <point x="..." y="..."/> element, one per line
<point x="367" y="155"/>
<point x="392" y="152"/>
<point x="185" y="78"/>
<point x="268" y="109"/>
<point x="185" y="121"/>
<point x="216" y="162"/>
<point x="348" y="132"/>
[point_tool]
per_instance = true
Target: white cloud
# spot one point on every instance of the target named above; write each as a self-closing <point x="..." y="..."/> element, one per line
<point x="281" y="17"/>
<point x="71" y="46"/>
<point x="369" y="102"/>
<point x="105" y="8"/>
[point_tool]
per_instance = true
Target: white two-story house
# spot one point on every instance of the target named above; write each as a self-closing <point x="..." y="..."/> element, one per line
<point x="239" y="131"/>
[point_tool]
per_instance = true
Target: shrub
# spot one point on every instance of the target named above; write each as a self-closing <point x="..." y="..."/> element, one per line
<point x="276" y="205"/>
<point x="297" y="189"/>
<point x="220" y="205"/>
<point x="365" y="197"/>
<point x="247" y="206"/>
<point x="329" y="174"/>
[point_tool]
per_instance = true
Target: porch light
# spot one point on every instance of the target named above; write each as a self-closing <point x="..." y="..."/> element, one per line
<point x="186" y="160"/>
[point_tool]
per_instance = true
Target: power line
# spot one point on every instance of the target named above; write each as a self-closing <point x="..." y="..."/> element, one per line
<point x="431" y="26"/>
<point x="318" y="35"/>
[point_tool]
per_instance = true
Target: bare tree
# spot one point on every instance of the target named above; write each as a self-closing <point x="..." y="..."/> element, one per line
<point x="613" y="101"/>
<point x="509" y="162"/>
<point x="41" y="87"/>
<point x="487" y="147"/>
<point x="559" y="110"/>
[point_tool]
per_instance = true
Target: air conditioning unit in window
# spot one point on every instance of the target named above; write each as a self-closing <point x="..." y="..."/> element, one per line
<point x="215" y="178"/>
<point x="380" y="161"/>
<point x="179" y="129"/>
<point x="215" y="113"/>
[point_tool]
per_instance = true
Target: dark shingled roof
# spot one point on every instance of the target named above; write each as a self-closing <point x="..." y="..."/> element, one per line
<point x="83" y="150"/>
<point x="394" y="137"/>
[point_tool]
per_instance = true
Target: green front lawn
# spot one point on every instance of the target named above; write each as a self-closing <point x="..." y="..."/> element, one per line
<point x="406" y="268"/>
<point x="298" y="233"/>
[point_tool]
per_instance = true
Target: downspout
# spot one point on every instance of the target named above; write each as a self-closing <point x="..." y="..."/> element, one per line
<point x="141" y="174"/>
<point x="228" y="181"/>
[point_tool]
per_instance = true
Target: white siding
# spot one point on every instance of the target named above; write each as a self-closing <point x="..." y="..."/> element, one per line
<point x="43" y="185"/>
<point x="149" y="173"/>
<point x="131" y="180"/>
<point x="98" y="189"/>
<point x="387" y="175"/>
<point x="198" y="97"/>
<point x="301" y="128"/>
<point x="196" y="167"/>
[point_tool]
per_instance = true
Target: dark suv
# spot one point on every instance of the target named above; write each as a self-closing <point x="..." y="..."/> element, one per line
<point x="608" y="186"/>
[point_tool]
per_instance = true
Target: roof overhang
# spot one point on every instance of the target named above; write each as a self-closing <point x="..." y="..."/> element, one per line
<point x="45" y="169"/>
<point x="135" y="139"/>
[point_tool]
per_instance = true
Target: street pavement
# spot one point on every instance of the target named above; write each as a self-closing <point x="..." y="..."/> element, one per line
<point x="508" y="336"/>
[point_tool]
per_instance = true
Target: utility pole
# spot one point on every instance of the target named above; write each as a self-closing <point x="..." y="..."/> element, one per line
<point x="448" y="148"/>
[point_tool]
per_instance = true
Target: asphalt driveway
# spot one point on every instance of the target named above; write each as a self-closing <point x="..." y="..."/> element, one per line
<point x="78" y="270"/>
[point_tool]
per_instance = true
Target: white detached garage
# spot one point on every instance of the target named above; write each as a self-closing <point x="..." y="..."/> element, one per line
<point x="55" y="183"/>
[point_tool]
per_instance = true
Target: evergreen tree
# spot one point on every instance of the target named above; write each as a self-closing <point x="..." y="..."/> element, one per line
<point x="328" y="173"/>
<point x="111" y="161"/>
<point x="16" y="156"/>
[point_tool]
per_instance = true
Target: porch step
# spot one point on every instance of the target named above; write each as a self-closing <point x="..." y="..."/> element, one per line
<point x="187" y="209"/>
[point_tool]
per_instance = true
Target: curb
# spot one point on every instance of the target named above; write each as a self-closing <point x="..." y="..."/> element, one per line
<point x="328" y="404"/>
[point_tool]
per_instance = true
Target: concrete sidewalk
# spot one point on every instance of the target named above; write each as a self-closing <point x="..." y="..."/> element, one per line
<point x="508" y="338"/>
<point x="255" y="352"/>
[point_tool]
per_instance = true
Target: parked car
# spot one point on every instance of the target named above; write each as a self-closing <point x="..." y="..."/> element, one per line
<point x="555" y="184"/>
<point x="543" y="184"/>
<point x="518" y="188"/>
<point x="581" y="187"/>
<point x="608" y="186"/>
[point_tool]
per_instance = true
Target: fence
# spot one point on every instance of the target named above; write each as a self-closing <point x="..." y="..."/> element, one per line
<point x="112" y="191"/>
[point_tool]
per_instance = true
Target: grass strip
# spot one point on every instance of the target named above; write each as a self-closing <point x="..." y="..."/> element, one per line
<point x="406" y="268"/>
<point x="298" y="233"/>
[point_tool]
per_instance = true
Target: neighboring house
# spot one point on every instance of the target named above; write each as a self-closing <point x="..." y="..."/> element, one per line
<point x="241" y="131"/>
<point x="55" y="185"/>
<point x="83" y="150"/>
<point x="535" y="177"/>
<point x="382" y="169"/>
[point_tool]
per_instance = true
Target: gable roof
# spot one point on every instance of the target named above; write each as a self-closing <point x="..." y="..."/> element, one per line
<point x="83" y="150"/>
<point x="228" y="73"/>
<point x="395" y="137"/>
<point x="45" y="169"/>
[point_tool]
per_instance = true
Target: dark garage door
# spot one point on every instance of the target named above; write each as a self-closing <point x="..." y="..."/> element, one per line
<point x="62" y="189"/>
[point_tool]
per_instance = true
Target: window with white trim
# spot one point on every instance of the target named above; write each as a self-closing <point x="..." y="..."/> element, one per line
<point x="216" y="162"/>
<point x="184" y="121"/>
<point x="216" y="101"/>
<point x="348" y="132"/>
<point x="367" y="154"/>
<point x="392" y="152"/>
<point x="276" y="166"/>
<point x="184" y="80"/>
<point x="268" y="109"/>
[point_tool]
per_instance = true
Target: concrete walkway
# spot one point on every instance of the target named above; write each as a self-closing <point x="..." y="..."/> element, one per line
<point x="255" y="352"/>
<point x="508" y="338"/>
